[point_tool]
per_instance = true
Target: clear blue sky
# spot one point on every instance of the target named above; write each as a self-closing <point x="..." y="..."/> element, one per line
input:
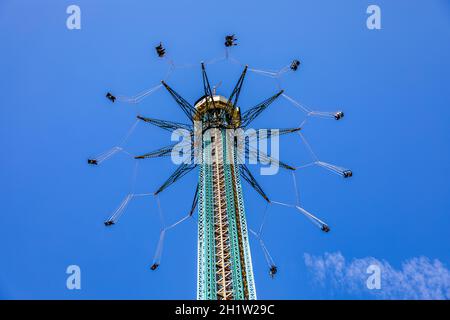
<point x="392" y="85"/>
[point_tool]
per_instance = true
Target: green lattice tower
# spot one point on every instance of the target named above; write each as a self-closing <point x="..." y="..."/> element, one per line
<point x="225" y="269"/>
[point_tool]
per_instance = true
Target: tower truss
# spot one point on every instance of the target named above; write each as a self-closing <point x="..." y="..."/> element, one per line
<point x="225" y="269"/>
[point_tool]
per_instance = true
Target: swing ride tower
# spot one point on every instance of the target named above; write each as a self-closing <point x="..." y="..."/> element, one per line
<point x="224" y="261"/>
<point x="219" y="150"/>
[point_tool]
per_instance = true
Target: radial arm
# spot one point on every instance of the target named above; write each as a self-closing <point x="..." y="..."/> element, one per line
<point x="166" y="125"/>
<point x="250" y="115"/>
<point x="161" y="152"/>
<point x="247" y="175"/>
<point x="187" y="108"/>
<point x="264" y="158"/>
<point x="272" y="132"/>
<point x="181" y="171"/>
<point x="234" y="96"/>
<point x="195" y="201"/>
<point x="206" y="86"/>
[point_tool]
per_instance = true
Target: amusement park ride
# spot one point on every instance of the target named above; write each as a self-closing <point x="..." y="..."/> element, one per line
<point x="225" y="269"/>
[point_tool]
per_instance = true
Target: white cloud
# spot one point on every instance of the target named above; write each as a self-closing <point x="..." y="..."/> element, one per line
<point x="418" y="278"/>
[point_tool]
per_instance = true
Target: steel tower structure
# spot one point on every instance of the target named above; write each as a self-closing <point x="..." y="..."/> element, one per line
<point x="224" y="261"/>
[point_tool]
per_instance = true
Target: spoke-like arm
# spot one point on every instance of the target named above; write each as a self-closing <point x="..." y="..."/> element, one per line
<point x="273" y="133"/>
<point x="181" y="171"/>
<point x="166" y="125"/>
<point x="266" y="159"/>
<point x="187" y="108"/>
<point x="207" y="87"/>
<point x="247" y="175"/>
<point x="161" y="152"/>
<point x="195" y="201"/>
<point x="234" y="96"/>
<point x="280" y="132"/>
<point x="250" y="115"/>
